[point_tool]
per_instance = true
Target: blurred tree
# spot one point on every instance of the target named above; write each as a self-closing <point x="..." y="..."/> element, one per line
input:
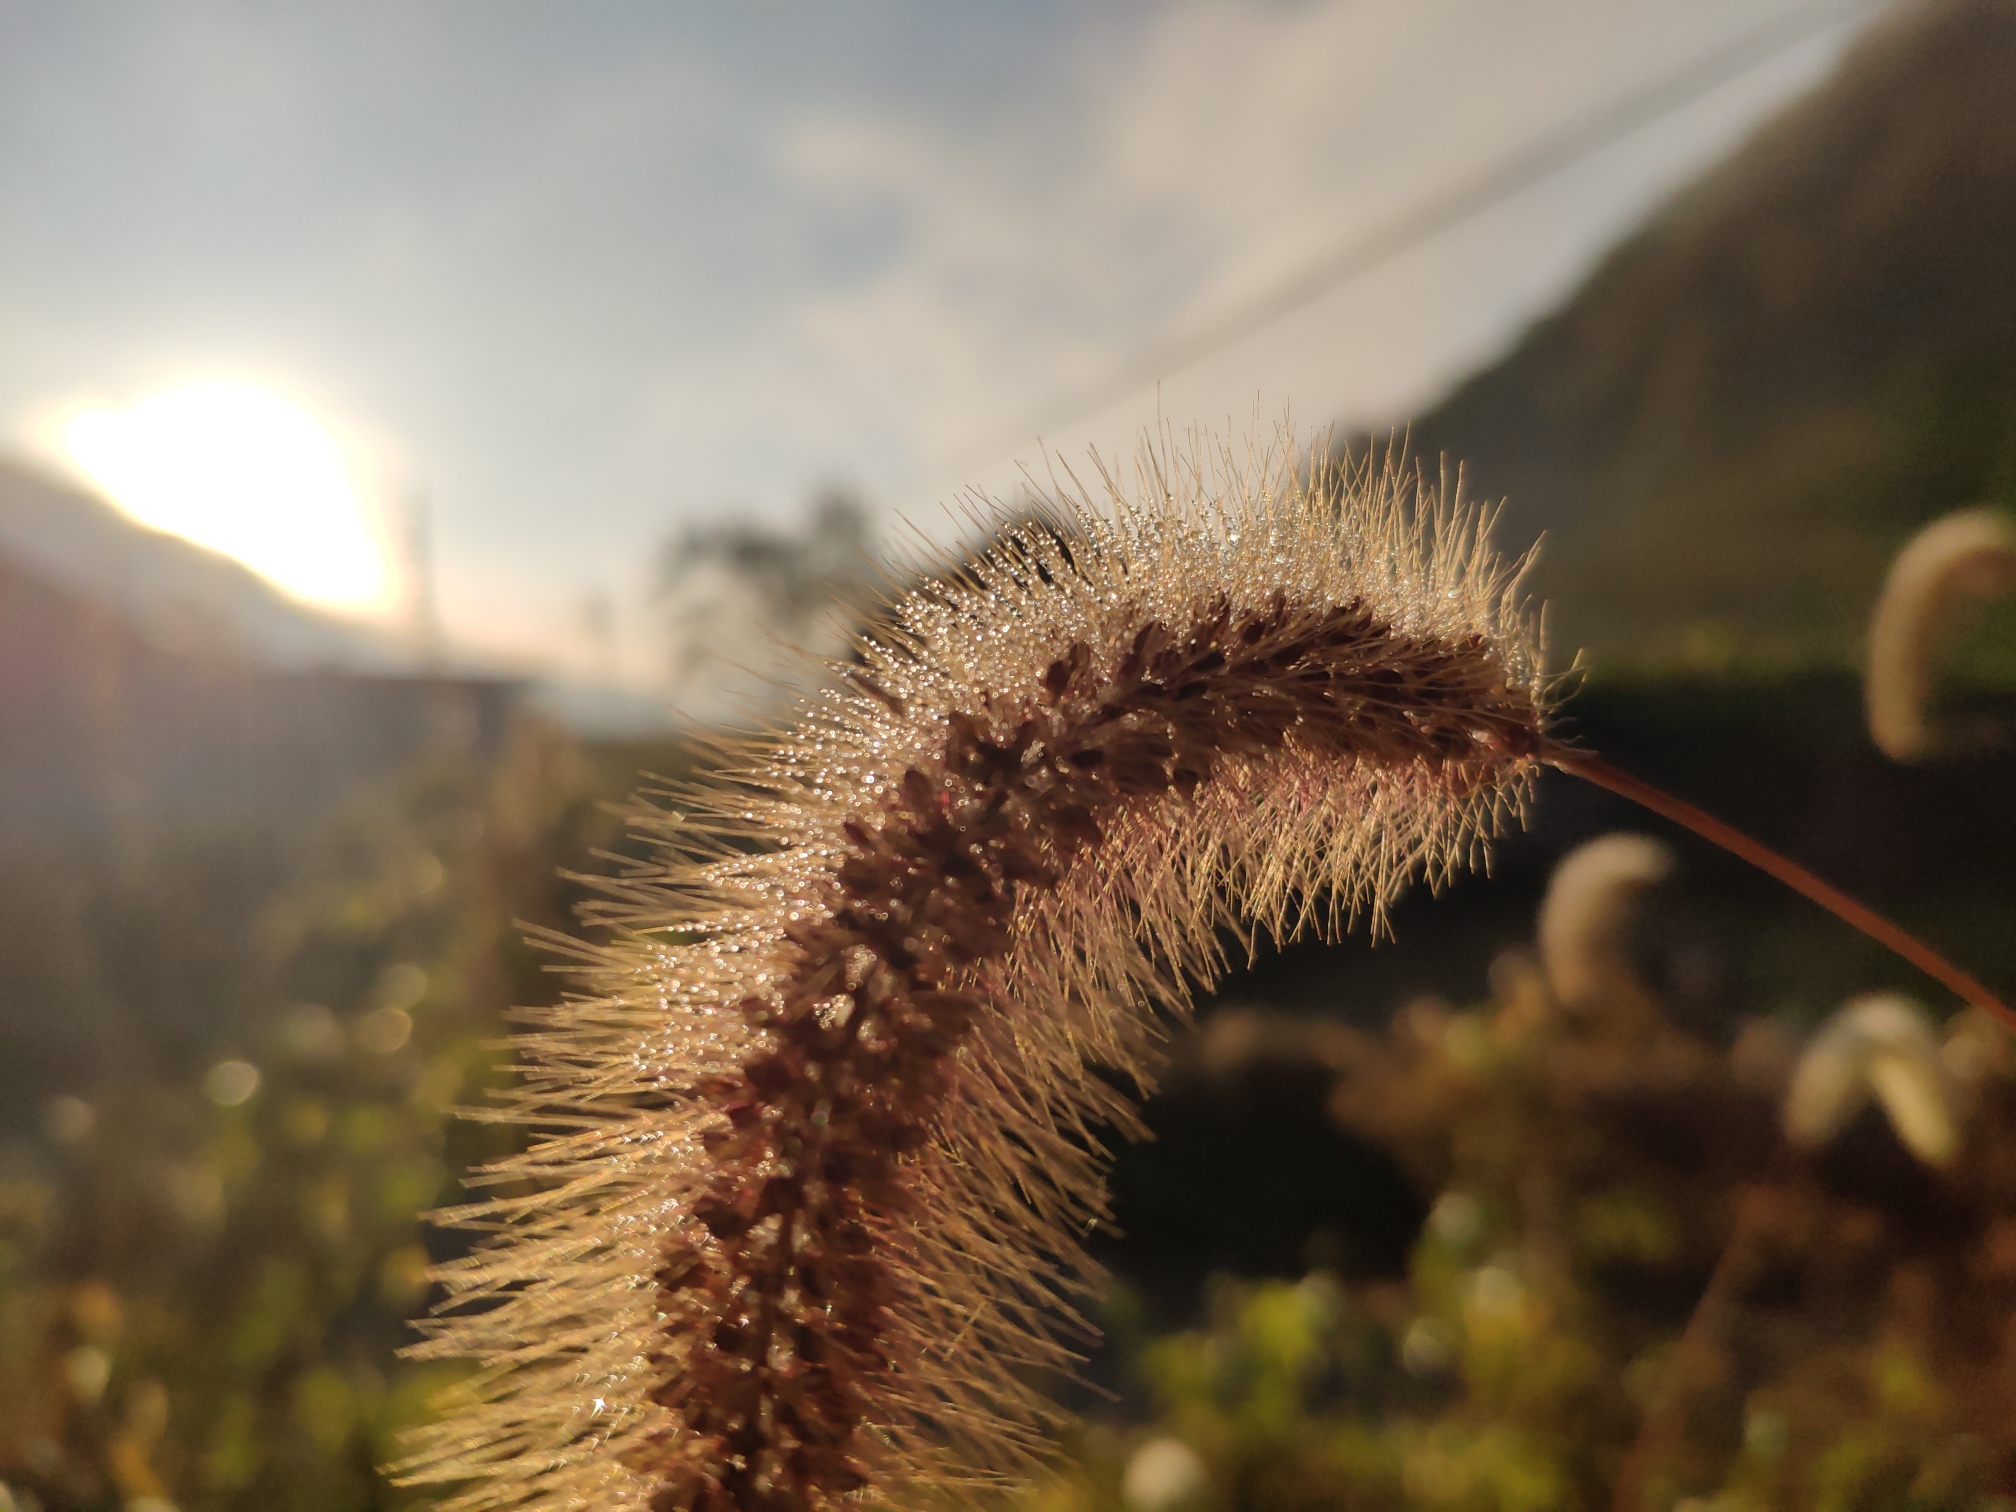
<point x="736" y="592"/>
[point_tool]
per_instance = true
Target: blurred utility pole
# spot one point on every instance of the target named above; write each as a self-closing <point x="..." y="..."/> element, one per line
<point x="598" y="624"/>
<point x="423" y="614"/>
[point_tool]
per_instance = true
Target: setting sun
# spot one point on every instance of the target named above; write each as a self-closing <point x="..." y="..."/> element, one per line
<point x="245" y="473"/>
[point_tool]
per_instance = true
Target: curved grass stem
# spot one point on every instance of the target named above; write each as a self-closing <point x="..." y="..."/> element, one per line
<point x="1592" y="768"/>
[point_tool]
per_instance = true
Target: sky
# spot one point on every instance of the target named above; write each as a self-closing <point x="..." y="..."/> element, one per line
<point x="581" y="274"/>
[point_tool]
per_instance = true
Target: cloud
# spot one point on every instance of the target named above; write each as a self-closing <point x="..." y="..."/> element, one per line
<point x="600" y="269"/>
<point x="1177" y="163"/>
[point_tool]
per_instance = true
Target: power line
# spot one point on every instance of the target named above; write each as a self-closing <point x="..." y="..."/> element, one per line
<point x="1526" y="168"/>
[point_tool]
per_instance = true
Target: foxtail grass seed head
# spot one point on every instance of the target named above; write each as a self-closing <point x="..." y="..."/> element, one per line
<point x="1586" y="911"/>
<point x="821" y="1139"/>
<point x="1968" y="555"/>
<point x="1878" y="1046"/>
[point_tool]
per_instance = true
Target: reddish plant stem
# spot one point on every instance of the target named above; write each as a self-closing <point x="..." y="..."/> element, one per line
<point x="1592" y="768"/>
<point x="1707" y="1330"/>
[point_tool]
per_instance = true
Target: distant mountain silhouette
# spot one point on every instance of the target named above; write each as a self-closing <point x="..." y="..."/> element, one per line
<point x="176" y="595"/>
<point x="148" y="686"/>
<point x="189" y="603"/>
<point x="1755" y="399"/>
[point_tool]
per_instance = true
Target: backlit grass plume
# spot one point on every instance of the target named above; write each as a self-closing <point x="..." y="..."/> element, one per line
<point x="1585" y="915"/>
<point x="819" y="1141"/>
<point x="1969" y="555"/>
<point x="1883" y="1046"/>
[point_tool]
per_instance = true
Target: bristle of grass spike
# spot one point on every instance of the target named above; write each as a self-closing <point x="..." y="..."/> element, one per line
<point x="817" y="1225"/>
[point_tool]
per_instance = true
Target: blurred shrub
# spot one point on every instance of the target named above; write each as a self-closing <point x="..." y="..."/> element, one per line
<point x="206" y="1269"/>
<point x="208" y="1250"/>
<point x="1629" y="1290"/>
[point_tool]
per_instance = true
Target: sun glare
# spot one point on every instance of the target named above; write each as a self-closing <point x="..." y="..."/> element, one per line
<point x="245" y="473"/>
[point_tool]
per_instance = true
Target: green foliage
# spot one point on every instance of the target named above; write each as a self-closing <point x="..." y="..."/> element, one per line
<point x="205" y="1277"/>
<point x="1593" y="1177"/>
<point x="208" y="1256"/>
